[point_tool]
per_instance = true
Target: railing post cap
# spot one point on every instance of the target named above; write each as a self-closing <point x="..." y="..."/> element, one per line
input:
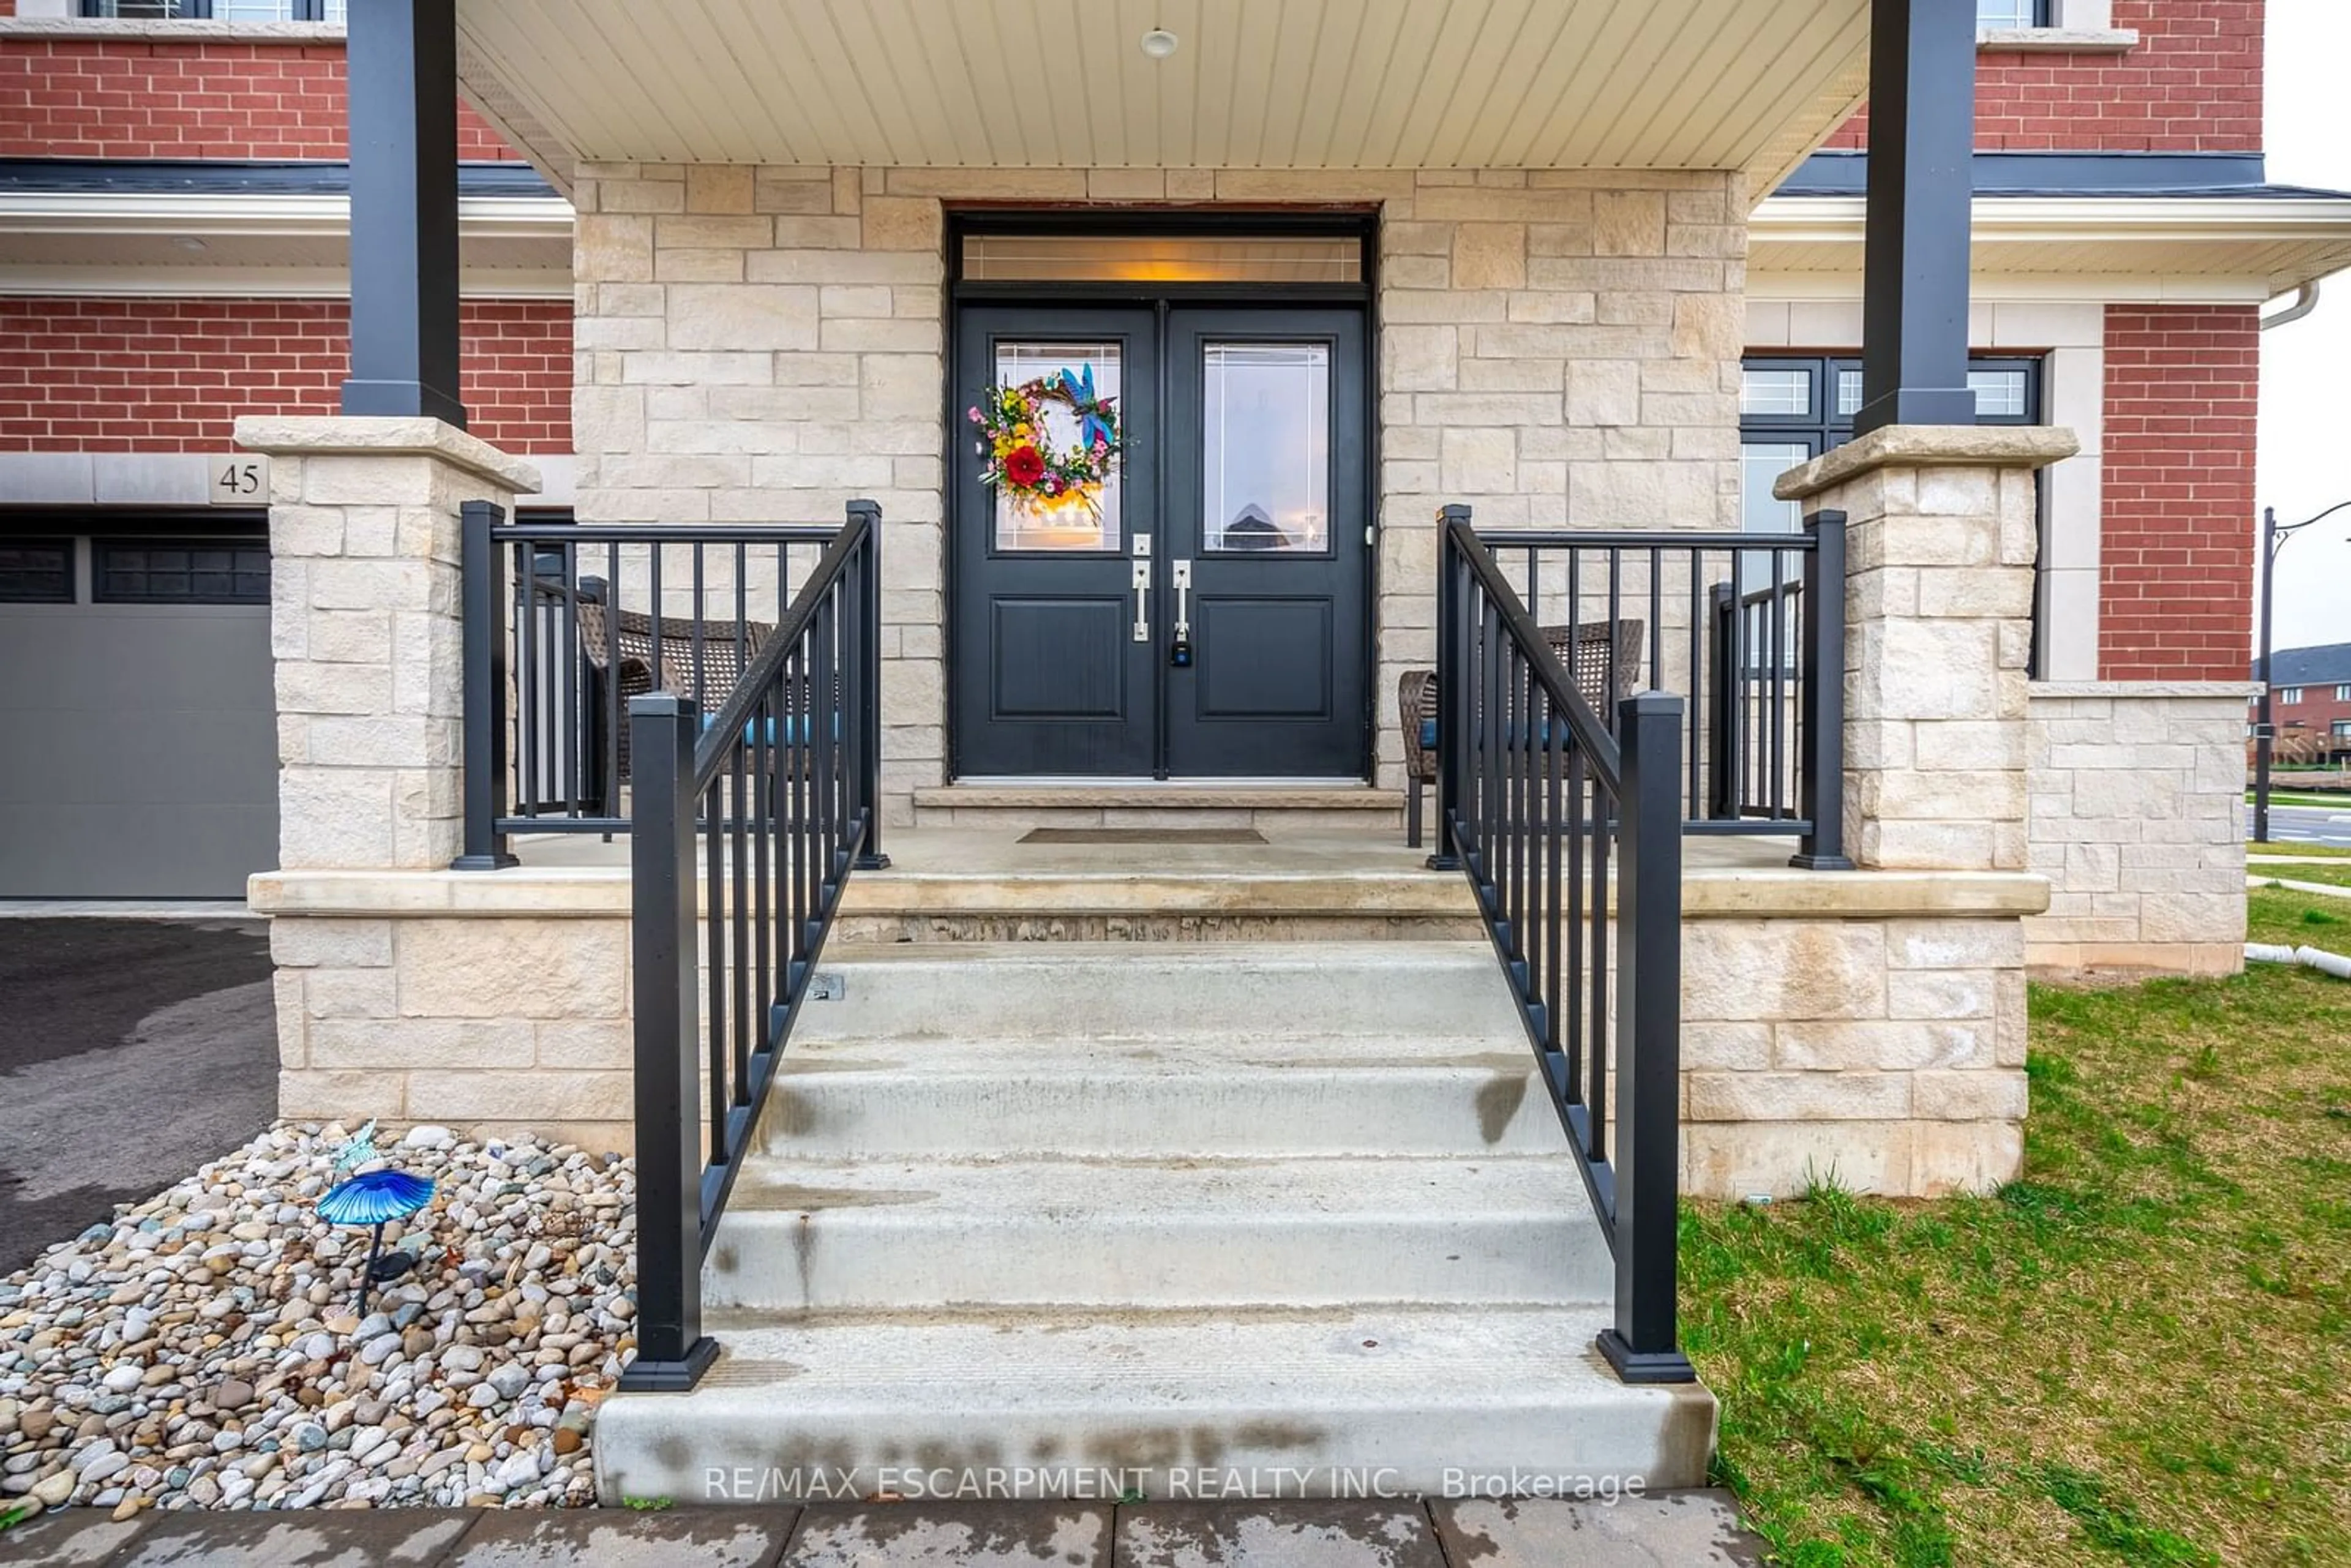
<point x="1651" y="705"/>
<point x="662" y="705"/>
<point x="869" y="509"/>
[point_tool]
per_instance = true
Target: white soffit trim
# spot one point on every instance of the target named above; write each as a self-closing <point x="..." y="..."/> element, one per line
<point x="2268" y="244"/>
<point x="257" y="282"/>
<point x="1764" y="284"/>
<point x="208" y="214"/>
<point x="95" y="243"/>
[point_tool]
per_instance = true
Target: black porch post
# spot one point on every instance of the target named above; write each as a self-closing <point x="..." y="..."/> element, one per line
<point x="403" y="136"/>
<point x="1922" y="119"/>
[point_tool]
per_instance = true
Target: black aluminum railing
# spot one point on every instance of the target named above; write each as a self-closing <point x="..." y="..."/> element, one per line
<point x="1736" y="622"/>
<point x="747" y="827"/>
<point x="564" y="623"/>
<point x="1569" y="827"/>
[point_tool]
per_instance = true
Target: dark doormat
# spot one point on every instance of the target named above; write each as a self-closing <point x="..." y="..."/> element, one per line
<point x="1142" y="836"/>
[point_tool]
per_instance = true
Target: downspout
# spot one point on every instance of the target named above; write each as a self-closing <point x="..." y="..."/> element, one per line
<point x="2305" y="301"/>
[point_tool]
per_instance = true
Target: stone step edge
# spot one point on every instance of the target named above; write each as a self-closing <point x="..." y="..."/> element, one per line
<point x="602" y="892"/>
<point x="1101" y="1190"/>
<point x="1188" y="797"/>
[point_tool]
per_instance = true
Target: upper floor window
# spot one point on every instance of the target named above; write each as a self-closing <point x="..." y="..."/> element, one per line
<point x="217" y="10"/>
<point x="2011" y="13"/>
<point x="2343" y="694"/>
<point x="2289" y="693"/>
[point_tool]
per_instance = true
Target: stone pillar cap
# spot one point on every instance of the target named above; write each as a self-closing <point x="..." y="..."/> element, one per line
<point x="345" y="435"/>
<point x="1929" y="447"/>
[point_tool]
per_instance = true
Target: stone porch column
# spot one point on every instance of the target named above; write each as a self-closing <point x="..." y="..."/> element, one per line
<point x="364" y="534"/>
<point x="1942" y="526"/>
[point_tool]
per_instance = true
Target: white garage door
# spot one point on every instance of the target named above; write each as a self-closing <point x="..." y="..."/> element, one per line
<point x="138" y="730"/>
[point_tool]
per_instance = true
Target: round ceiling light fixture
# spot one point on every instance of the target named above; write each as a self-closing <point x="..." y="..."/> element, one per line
<point x="1159" y="43"/>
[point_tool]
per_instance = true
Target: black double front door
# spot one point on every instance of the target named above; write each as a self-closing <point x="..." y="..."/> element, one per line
<point x="1208" y="616"/>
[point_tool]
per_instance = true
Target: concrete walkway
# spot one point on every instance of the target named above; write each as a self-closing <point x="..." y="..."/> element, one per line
<point x="1673" y="1530"/>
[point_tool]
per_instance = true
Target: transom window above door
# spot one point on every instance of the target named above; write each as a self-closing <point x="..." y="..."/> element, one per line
<point x="992" y="257"/>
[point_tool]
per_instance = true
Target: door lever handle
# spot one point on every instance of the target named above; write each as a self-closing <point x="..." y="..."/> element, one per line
<point x="1142" y="602"/>
<point x="1179" y="652"/>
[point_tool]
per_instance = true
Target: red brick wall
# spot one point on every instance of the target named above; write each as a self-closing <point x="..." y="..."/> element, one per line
<point x="2176" y="547"/>
<point x="2192" y="84"/>
<point x="171" y="375"/>
<point x="138" y="99"/>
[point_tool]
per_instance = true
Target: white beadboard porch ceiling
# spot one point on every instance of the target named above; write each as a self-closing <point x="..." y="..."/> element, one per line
<point x="1254" y="84"/>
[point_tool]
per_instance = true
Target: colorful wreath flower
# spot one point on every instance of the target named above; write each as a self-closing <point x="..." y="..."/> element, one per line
<point x="1021" y="460"/>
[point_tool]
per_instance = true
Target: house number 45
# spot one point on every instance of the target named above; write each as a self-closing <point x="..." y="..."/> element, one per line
<point x="237" y="480"/>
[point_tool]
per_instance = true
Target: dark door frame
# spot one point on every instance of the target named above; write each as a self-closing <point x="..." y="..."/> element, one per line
<point x="1361" y="224"/>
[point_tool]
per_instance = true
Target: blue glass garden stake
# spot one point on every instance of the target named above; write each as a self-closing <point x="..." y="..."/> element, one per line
<point x="376" y="1198"/>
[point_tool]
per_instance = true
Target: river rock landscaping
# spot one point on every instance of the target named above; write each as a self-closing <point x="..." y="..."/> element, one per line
<point x="204" y="1349"/>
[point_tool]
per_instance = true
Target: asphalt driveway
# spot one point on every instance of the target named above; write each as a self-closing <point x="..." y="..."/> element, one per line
<point x="130" y="1052"/>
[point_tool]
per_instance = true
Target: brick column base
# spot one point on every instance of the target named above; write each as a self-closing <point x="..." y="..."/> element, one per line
<point x="364" y="625"/>
<point x="1941" y="530"/>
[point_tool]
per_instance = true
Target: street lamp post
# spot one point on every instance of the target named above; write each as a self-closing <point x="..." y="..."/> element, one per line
<point x="2273" y="539"/>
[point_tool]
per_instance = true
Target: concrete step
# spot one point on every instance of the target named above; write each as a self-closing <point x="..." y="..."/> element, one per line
<point x="1114" y="1051"/>
<point x="1006" y="884"/>
<point x="1270" y="806"/>
<point x="1400" y="1399"/>
<point x="801" y="1234"/>
<point x="1093" y="992"/>
<point x="1194" y="1099"/>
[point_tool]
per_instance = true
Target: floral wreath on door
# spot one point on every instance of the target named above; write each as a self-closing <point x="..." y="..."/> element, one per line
<point x="1020" y="457"/>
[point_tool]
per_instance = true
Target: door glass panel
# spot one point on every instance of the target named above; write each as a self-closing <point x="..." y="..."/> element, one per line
<point x="1265" y="450"/>
<point x="1075" y="523"/>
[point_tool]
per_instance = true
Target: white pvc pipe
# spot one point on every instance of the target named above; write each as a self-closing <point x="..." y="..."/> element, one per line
<point x="2317" y="958"/>
<point x="2326" y="963"/>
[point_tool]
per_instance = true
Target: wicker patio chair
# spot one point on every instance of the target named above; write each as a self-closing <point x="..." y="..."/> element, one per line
<point x="1603" y="658"/>
<point x="639" y="669"/>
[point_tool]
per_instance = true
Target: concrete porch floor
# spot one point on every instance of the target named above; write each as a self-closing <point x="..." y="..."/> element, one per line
<point x="991" y="883"/>
<point x="1685" y="1530"/>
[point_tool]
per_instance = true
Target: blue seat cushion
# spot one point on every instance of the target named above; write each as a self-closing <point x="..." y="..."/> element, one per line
<point x="793" y="731"/>
<point x="1542" y="736"/>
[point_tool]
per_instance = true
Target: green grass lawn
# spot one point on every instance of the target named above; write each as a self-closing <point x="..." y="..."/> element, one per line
<point x="2332" y="875"/>
<point x="2288" y="847"/>
<point x="2304" y="798"/>
<point x="2138" y="1354"/>
<point x="2274" y="914"/>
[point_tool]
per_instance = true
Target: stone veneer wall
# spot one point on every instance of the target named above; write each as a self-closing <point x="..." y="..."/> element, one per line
<point x="2137" y="819"/>
<point x="488" y="1023"/>
<point x="1886" y="1056"/>
<point x="759" y="344"/>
